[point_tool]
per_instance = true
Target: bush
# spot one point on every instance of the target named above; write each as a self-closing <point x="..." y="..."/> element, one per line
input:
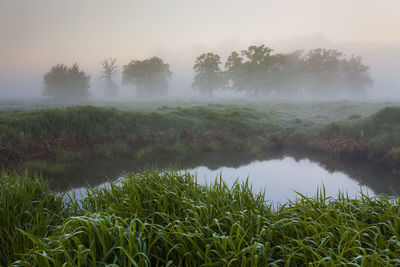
<point x="64" y="82"/>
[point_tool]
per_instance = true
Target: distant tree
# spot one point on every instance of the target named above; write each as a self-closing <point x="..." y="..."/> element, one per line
<point x="356" y="78"/>
<point x="251" y="71"/>
<point x="149" y="76"/>
<point x="323" y="67"/>
<point x="287" y="75"/>
<point x="319" y="72"/>
<point x="331" y="73"/>
<point x="108" y="73"/>
<point x="64" y="82"/>
<point x="235" y="71"/>
<point x="209" y="76"/>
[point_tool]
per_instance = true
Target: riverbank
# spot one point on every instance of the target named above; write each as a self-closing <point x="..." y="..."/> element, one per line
<point x="63" y="135"/>
<point x="375" y="138"/>
<point x="144" y="221"/>
<point x="51" y="140"/>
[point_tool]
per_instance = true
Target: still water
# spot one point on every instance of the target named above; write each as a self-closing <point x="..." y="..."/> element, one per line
<point x="281" y="176"/>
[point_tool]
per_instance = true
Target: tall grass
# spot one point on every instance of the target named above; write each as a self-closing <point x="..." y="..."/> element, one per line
<point x="26" y="205"/>
<point x="166" y="219"/>
<point x="380" y="130"/>
<point x="64" y="135"/>
<point x="67" y="134"/>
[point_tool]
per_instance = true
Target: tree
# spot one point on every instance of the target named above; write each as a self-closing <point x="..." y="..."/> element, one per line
<point x="323" y="67"/>
<point x="251" y="71"/>
<point x="286" y="73"/>
<point x="64" y="82"/>
<point x="209" y="76"/>
<point x="149" y="76"/>
<point x="235" y="71"/>
<point x="108" y="73"/>
<point x="356" y="78"/>
<point x="319" y="72"/>
<point x="331" y="73"/>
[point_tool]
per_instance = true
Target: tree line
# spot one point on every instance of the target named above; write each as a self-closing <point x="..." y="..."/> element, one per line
<point x="256" y="71"/>
<point x="150" y="78"/>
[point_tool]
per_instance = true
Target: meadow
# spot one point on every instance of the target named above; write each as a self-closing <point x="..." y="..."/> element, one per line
<point x="163" y="217"/>
<point x="49" y="140"/>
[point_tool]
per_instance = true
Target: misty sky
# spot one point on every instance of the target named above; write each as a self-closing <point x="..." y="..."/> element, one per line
<point x="35" y="35"/>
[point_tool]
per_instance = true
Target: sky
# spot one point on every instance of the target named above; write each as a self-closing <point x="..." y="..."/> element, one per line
<point x="34" y="35"/>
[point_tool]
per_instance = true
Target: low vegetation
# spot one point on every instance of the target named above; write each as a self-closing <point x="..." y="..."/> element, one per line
<point x="167" y="219"/>
<point x="48" y="140"/>
<point x="65" y="134"/>
<point x="27" y="208"/>
<point x="164" y="218"/>
<point x="376" y="137"/>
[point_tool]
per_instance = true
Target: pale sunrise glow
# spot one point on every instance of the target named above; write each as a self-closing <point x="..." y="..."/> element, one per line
<point x="37" y="34"/>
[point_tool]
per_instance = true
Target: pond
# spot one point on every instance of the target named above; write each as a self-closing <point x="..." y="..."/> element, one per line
<point x="280" y="175"/>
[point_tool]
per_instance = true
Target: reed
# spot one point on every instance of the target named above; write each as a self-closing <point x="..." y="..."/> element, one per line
<point x="26" y="206"/>
<point x="381" y="131"/>
<point x="164" y="218"/>
<point x="63" y="135"/>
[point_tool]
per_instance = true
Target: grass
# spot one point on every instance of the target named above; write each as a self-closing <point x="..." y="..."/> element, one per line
<point x="63" y="135"/>
<point x="166" y="219"/>
<point x="375" y="138"/>
<point x="381" y="130"/>
<point x="53" y="139"/>
<point x="26" y="206"/>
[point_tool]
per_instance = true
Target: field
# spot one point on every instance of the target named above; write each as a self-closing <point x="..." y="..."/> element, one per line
<point x="164" y="218"/>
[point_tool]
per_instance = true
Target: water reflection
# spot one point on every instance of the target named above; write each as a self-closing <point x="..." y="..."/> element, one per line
<point x="282" y="178"/>
<point x="278" y="173"/>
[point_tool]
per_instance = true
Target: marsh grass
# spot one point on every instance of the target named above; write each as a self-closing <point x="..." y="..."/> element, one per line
<point x="62" y="135"/>
<point x="26" y="206"/>
<point x="380" y="130"/>
<point x="164" y="218"/>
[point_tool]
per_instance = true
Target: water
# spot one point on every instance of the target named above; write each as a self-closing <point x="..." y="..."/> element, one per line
<point x="282" y="178"/>
<point x="280" y="175"/>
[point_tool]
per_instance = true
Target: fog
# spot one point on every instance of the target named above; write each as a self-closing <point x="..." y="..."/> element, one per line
<point x="37" y="35"/>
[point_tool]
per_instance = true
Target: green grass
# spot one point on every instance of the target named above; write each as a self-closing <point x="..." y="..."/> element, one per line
<point x="166" y="219"/>
<point x="381" y="130"/>
<point x="26" y="205"/>
<point x="63" y="135"/>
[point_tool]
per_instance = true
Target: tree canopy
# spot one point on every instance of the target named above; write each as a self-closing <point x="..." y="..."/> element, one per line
<point x="318" y="72"/>
<point x="209" y="76"/>
<point x="251" y="71"/>
<point x="356" y="78"/>
<point x="66" y="82"/>
<point x="149" y="76"/>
